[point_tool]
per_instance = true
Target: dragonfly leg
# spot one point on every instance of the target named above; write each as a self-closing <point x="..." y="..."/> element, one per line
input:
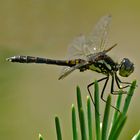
<point x="107" y="78"/>
<point x="117" y="82"/>
<point x="88" y="88"/>
<point x="102" y="94"/>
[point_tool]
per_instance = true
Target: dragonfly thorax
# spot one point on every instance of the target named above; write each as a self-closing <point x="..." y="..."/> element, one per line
<point x="102" y="63"/>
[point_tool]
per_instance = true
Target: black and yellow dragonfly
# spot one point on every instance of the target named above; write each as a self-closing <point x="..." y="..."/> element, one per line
<point x="89" y="53"/>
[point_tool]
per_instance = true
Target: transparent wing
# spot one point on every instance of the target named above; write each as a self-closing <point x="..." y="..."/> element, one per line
<point x="82" y="46"/>
<point x="98" y="37"/>
<point x="77" y="49"/>
<point x="67" y="70"/>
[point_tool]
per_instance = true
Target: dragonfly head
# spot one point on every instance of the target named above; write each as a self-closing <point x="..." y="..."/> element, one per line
<point x="126" y="67"/>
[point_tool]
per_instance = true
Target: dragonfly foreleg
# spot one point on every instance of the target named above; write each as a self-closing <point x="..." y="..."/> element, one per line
<point x="118" y="81"/>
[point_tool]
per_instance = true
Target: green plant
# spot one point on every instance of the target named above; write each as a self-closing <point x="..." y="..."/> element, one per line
<point x="103" y="130"/>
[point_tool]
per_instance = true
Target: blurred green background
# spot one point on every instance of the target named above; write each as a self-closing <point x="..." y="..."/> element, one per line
<point x="31" y="95"/>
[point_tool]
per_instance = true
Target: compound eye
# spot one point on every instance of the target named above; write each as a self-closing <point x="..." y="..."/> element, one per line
<point x="126" y="67"/>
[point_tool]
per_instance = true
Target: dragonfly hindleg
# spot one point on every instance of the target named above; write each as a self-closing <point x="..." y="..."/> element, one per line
<point x="107" y="78"/>
<point x="102" y="93"/>
<point x="91" y="85"/>
<point x="90" y="92"/>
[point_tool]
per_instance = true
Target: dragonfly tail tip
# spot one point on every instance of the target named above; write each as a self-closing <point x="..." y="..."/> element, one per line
<point x="8" y="59"/>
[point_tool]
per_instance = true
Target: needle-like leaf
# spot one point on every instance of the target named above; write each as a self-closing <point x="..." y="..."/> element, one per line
<point x="128" y="98"/>
<point x="137" y="136"/>
<point x="89" y="119"/>
<point x="97" y="115"/>
<point x="106" y="118"/>
<point x="58" y="128"/>
<point x="74" y="126"/>
<point x="81" y="115"/>
<point x="40" y="137"/>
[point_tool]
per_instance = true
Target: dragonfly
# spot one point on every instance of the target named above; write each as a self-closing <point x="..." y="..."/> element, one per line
<point x="90" y="53"/>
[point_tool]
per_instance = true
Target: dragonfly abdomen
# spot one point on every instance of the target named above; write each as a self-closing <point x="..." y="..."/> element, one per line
<point x="40" y="60"/>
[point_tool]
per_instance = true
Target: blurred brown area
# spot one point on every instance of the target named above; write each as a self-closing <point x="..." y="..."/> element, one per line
<point x="31" y="95"/>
